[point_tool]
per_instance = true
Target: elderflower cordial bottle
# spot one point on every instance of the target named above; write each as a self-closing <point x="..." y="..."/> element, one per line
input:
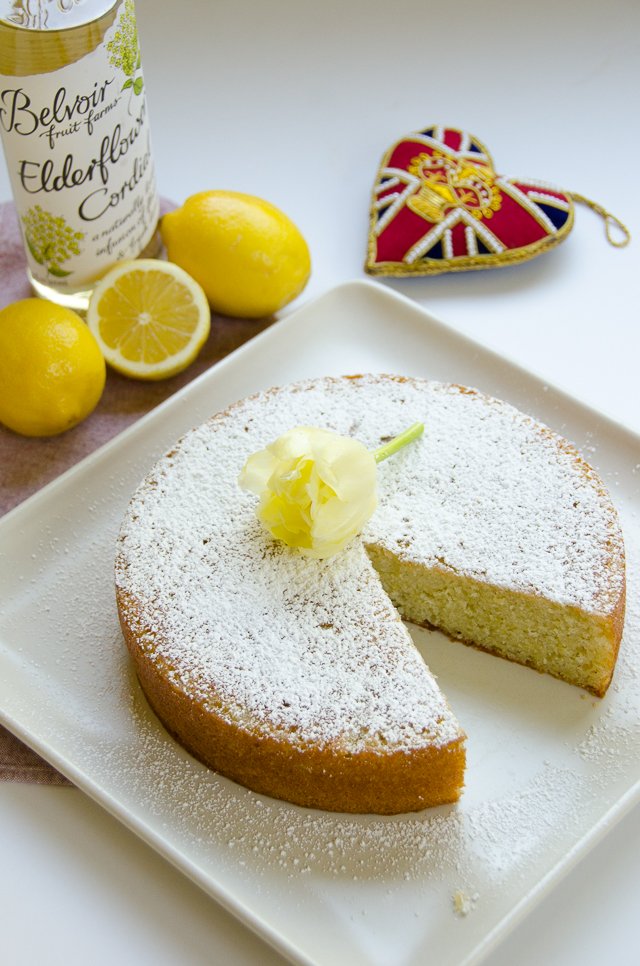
<point x="75" y="132"/>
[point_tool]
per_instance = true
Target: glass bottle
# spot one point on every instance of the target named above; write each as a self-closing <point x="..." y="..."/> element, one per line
<point x="75" y="132"/>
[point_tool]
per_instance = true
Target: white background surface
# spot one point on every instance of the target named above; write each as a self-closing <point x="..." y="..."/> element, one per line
<point x="296" y="101"/>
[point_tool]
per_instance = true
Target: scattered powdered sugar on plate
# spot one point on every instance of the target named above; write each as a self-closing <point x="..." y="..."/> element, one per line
<point x="505" y="833"/>
<point x="486" y="842"/>
<point x="273" y="836"/>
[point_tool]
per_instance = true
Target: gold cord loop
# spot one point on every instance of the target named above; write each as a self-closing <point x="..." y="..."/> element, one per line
<point x="609" y="220"/>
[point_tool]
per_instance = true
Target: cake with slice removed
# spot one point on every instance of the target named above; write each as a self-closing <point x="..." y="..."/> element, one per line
<point x="296" y="677"/>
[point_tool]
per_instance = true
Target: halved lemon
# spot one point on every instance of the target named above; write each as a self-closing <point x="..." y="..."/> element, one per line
<point x="149" y="317"/>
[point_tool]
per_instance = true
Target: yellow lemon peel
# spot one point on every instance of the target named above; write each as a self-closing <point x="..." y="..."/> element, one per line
<point x="51" y="369"/>
<point x="248" y="256"/>
<point x="317" y="489"/>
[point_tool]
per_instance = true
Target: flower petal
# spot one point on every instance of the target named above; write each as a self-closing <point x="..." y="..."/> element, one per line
<point x="338" y="521"/>
<point x="256" y="471"/>
<point x="293" y="444"/>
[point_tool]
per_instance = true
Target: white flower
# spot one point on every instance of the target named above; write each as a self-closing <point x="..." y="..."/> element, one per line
<point x="316" y="489"/>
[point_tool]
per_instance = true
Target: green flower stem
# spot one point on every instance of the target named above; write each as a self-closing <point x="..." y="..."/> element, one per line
<point x="388" y="449"/>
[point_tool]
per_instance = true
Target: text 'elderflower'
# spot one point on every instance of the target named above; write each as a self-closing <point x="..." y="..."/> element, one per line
<point x="317" y="489"/>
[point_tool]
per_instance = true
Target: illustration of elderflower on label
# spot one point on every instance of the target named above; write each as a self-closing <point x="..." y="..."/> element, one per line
<point x="317" y="489"/>
<point x="50" y="240"/>
<point x="124" y="50"/>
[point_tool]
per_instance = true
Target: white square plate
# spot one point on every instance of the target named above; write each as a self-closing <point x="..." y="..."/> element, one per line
<point x="550" y="769"/>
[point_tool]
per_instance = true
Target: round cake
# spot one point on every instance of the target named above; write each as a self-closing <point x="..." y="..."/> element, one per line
<point x="297" y="677"/>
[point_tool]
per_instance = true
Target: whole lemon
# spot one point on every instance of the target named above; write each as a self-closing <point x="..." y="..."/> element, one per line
<point x="51" y="370"/>
<point x="249" y="258"/>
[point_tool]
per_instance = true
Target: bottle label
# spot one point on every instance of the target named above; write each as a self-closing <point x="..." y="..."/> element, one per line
<point x="78" y="152"/>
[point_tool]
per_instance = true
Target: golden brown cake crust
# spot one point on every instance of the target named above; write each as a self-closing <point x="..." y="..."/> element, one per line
<point x="313" y="777"/>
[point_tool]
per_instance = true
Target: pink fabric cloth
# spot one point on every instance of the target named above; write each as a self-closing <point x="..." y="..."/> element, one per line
<point x="27" y="464"/>
<point x="18" y="763"/>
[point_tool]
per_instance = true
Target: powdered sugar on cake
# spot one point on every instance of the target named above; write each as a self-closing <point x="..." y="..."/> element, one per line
<point x="294" y="641"/>
<point x="492" y="496"/>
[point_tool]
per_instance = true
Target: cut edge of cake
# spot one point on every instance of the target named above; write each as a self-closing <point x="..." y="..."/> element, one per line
<point x="564" y="641"/>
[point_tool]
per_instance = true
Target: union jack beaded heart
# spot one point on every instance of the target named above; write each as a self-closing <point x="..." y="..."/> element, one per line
<point x="439" y="206"/>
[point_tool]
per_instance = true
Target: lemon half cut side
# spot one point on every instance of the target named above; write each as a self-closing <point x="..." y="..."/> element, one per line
<point x="149" y="317"/>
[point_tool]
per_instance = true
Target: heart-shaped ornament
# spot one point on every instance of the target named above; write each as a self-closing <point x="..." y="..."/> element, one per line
<point x="439" y="206"/>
